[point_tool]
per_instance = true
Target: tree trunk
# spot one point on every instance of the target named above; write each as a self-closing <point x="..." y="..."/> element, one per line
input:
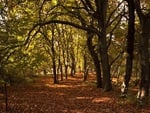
<point x="144" y="49"/>
<point x="145" y="53"/>
<point x="101" y="10"/>
<point x="86" y="69"/>
<point x="95" y="59"/>
<point x="145" y="63"/>
<point x="61" y="70"/>
<point x="73" y="64"/>
<point x="66" y="71"/>
<point x="53" y="58"/>
<point x="105" y="65"/>
<point x="130" y="42"/>
<point x="54" y="69"/>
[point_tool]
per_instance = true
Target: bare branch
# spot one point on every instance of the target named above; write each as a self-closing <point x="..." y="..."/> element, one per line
<point x="111" y="14"/>
<point x="119" y="55"/>
<point x="85" y="28"/>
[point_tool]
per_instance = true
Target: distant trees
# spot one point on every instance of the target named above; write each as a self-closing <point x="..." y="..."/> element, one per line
<point x="98" y="26"/>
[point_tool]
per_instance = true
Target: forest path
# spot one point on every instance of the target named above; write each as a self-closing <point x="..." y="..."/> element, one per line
<point x="69" y="96"/>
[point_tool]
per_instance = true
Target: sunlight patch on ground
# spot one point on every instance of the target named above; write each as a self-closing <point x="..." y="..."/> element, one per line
<point x="58" y="86"/>
<point x="72" y="111"/>
<point x="76" y="111"/>
<point x="102" y="99"/>
<point x="61" y="94"/>
<point x="82" y="98"/>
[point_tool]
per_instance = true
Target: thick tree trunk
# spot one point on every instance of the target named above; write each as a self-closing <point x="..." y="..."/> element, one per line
<point x="130" y="42"/>
<point x="101" y="10"/>
<point x="145" y="67"/>
<point x="105" y="65"/>
<point x="144" y="50"/>
<point x="145" y="63"/>
<point x="95" y="59"/>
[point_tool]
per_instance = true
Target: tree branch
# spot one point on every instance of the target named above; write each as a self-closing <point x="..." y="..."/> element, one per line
<point x="40" y="24"/>
<point x="112" y="13"/>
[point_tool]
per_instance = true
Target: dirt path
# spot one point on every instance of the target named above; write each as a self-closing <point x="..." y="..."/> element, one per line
<point x="69" y="96"/>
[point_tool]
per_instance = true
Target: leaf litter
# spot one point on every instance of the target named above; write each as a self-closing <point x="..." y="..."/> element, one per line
<point x="69" y="96"/>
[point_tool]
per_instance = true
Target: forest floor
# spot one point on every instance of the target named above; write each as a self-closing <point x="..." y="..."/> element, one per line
<point x="69" y="96"/>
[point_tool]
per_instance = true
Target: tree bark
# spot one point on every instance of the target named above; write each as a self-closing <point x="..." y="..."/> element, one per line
<point x="144" y="48"/>
<point x="145" y="61"/>
<point x="130" y="42"/>
<point x="73" y="64"/>
<point x="85" y="75"/>
<point x="53" y="58"/>
<point x="101" y="10"/>
<point x="105" y="65"/>
<point x="95" y="59"/>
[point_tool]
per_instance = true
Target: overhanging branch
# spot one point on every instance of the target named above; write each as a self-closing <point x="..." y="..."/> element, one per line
<point x="40" y="24"/>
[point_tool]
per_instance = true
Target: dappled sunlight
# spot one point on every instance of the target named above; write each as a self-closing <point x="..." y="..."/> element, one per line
<point x="69" y="96"/>
<point x="58" y="86"/>
<point x="83" y="98"/>
<point x="65" y="84"/>
<point x="77" y="111"/>
<point x="72" y="111"/>
<point x="61" y="94"/>
<point x="101" y="99"/>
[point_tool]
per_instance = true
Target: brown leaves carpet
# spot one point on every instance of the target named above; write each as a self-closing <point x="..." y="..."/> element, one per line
<point x="69" y="96"/>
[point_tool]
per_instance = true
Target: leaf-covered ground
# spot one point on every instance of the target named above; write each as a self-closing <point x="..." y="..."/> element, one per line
<point x="69" y="96"/>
